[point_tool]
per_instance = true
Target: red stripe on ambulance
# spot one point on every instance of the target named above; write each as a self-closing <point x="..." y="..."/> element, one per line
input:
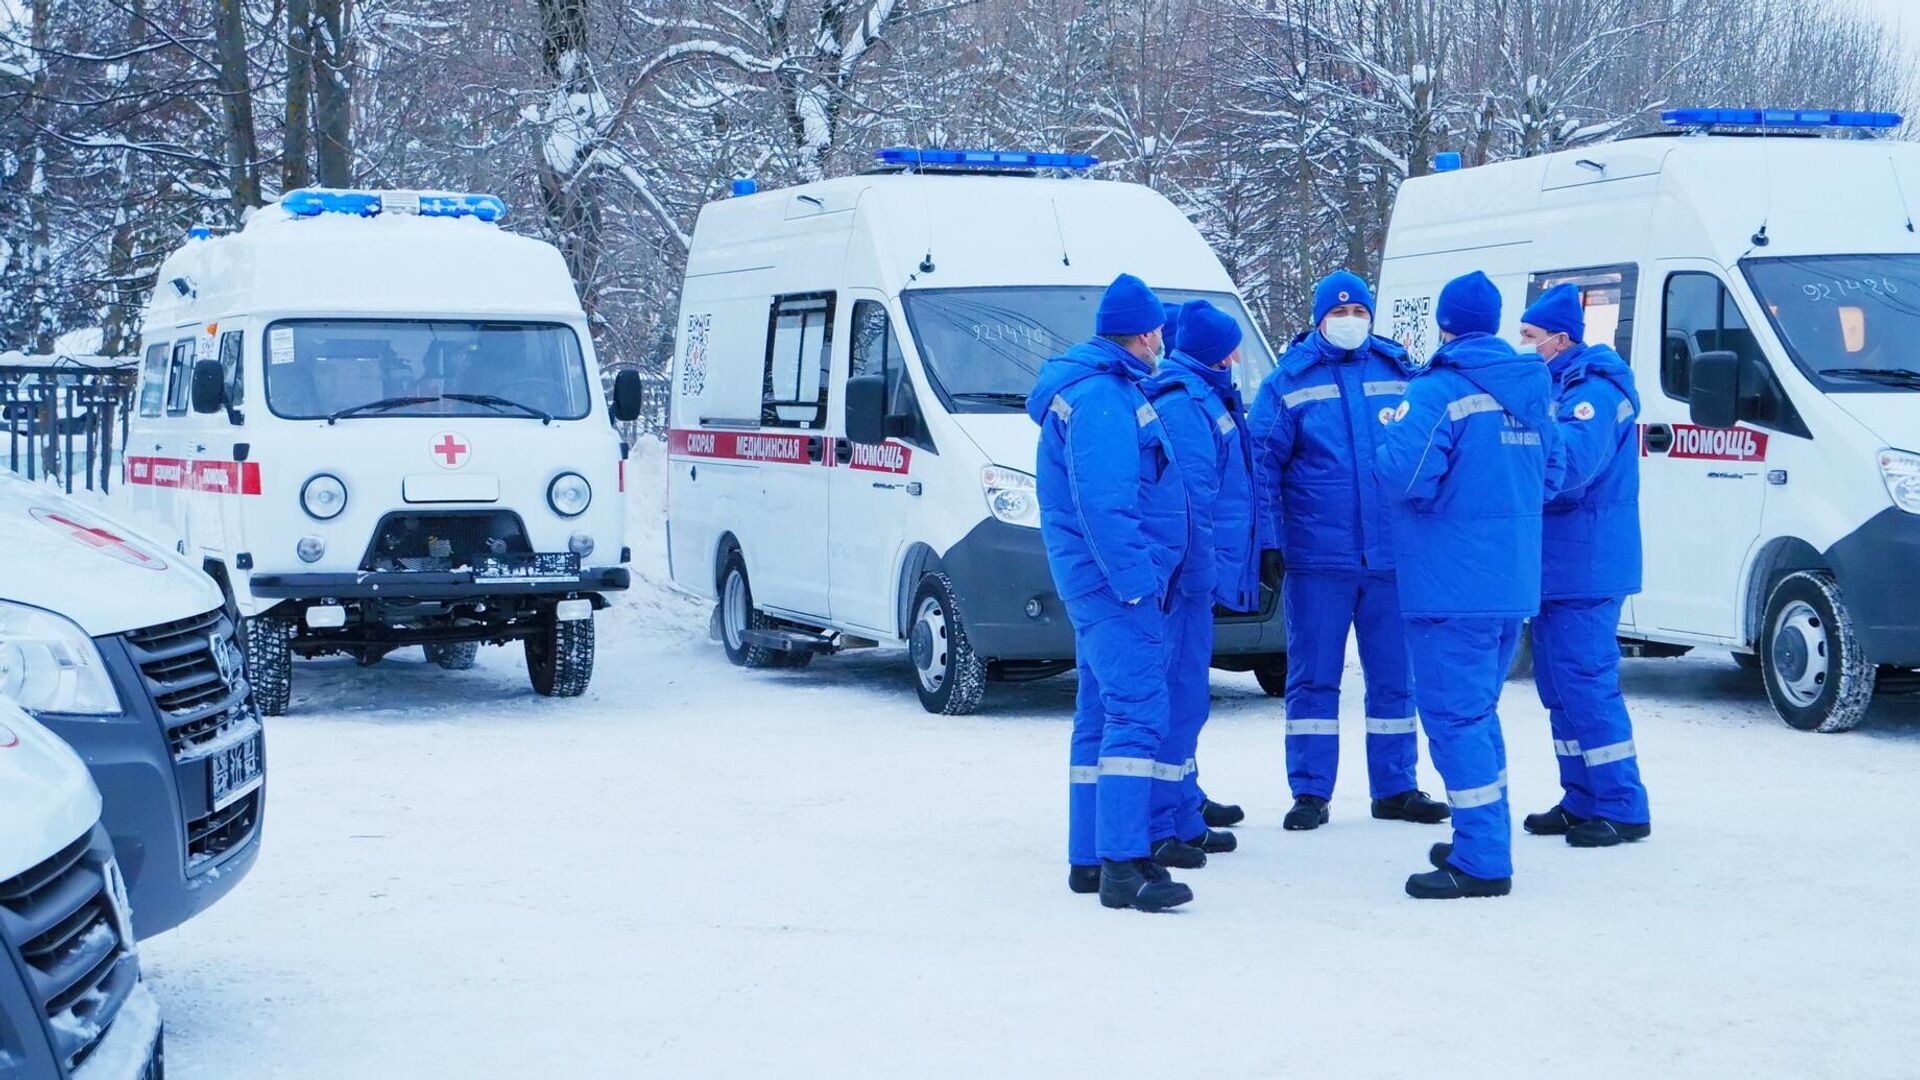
<point x="739" y="446"/>
<point x="884" y="457"/>
<point x="218" y="477"/>
<point x="1694" y="443"/>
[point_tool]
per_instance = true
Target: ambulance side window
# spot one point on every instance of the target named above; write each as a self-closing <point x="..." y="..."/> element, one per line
<point x="153" y="380"/>
<point x="179" y="377"/>
<point x="799" y="351"/>
<point x="876" y="351"/>
<point x="230" y="351"/>
<point x="1699" y="315"/>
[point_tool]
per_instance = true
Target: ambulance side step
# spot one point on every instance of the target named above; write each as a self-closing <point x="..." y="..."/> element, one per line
<point x="791" y="641"/>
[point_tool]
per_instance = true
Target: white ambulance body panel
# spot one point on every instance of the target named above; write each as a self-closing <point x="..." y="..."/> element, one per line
<point x="1672" y="238"/>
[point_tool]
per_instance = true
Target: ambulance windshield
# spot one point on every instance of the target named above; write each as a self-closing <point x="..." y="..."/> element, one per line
<point x="415" y="367"/>
<point x="1851" y="322"/>
<point x="983" y="347"/>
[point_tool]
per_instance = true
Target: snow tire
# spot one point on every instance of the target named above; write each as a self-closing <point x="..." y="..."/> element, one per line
<point x="560" y="658"/>
<point x="1271" y="674"/>
<point x="1522" y="666"/>
<point x="737" y="615"/>
<point x="266" y="642"/>
<point x="949" y="676"/>
<point x="1817" y="675"/>
<point x="453" y="655"/>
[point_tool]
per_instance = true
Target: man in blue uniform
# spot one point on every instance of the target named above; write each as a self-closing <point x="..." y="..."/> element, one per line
<point x="1113" y="515"/>
<point x="1193" y="392"/>
<point x="1315" y="425"/>
<point x="1464" y="459"/>
<point x="1590" y="564"/>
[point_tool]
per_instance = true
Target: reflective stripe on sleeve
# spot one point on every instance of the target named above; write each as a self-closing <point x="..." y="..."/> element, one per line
<point x="1192" y="767"/>
<point x="1624" y="413"/>
<point x="1378" y="389"/>
<point x="1566" y="748"/>
<point x="1083" y="774"/>
<point x="1390" y="725"/>
<point x="1174" y="773"/>
<point x="1145" y="414"/>
<point x="1607" y="755"/>
<point x="1479" y="796"/>
<point x="1128" y="766"/>
<point x="1471" y="404"/>
<point x="1313" y="727"/>
<point x="1225" y="424"/>
<point x="1059" y="407"/>
<point x="1329" y="392"/>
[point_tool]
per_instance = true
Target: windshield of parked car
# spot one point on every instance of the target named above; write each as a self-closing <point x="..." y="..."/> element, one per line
<point x="1851" y="322"/>
<point x="983" y="347"/>
<point x="415" y="367"/>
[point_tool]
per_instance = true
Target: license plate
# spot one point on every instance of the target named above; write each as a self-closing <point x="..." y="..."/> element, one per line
<point x="236" y="771"/>
<point x="543" y="566"/>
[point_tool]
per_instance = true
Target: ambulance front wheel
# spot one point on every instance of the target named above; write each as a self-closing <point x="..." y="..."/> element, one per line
<point x="738" y="615"/>
<point x="1817" y="676"/>
<point x="1271" y="674"/>
<point x="560" y="658"/>
<point x="267" y="644"/>
<point x="453" y="655"/>
<point x="949" y="676"/>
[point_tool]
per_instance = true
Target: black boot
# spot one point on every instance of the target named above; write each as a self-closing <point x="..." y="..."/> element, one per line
<point x="1083" y="879"/>
<point x="1221" y="815"/>
<point x="1140" y="884"/>
<point x="1438" y="855"/>
<point x="1309" y="812"/>
<point x="1554" y="822"/>
<point x="1451" y="884"/>
<point x="1178" y="855"/>
<point x="1605" y="832"/>
<point x="1214" y="842"/>
<point x="1411" y="806"/>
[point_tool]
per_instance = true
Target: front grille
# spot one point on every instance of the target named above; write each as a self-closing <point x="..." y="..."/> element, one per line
<point x="447" y="541"/>
<point x="60" y="914"/>
<point x="179" y="662"/>
<point x="223" y="830"/>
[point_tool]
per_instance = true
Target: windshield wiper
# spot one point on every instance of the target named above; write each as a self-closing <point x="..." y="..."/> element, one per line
<point x="997" y="397"/>
<point x="498" y="402"/>
<point x="378" y="406"/>
<point x="1896" y="376"/>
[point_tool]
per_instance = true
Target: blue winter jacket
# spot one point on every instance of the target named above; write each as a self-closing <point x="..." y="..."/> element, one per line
<point x="1316" y="424"/>
<point x="1113" y="508"/>
<point x="1204" y="418"/>
<point x="1464" y="461"/>
<point x="1591" y="532"/>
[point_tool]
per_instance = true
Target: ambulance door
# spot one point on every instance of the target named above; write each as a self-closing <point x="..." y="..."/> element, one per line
<point x="170" y="448"/>
<point x="787" y="544"/>
<point x="141" y="445"/>
<point x="875" y="487"/>
<point x="206" y="483"/>
<point x="1701" y="489"/>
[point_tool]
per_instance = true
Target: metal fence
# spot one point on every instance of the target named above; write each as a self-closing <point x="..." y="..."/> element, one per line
<point x="66" y="422"/>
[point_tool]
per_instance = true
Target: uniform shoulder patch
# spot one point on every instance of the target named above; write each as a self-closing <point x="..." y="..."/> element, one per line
<point x="1583" y="411"/>
<point x="1386" y="414"/>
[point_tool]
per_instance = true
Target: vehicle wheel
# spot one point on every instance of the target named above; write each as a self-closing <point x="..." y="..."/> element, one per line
<point x="453" y="655"/>
<point x="266" y="643"/>
<point x="738" y="615"/>
<point x="1817" y="676"/>
<point x="1747" y="660"/>
<point x="1522" y="666"/>
<point x="949" y="675"/>
<point x="560" y="658"/>
<point x="1271" y="674"/>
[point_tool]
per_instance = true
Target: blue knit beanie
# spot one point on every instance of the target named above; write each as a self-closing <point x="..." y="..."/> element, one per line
<point x="1207" y="334"/>
<point x="1340" y="287"/>
<point x="1558" y="311"/>
<point x="1170" y="333"/>
<point x="1129" y="307"/>
<point x="1469" y="304"/>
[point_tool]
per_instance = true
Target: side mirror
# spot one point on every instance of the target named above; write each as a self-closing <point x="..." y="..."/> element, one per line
<point x="867" y="409"/>
<point x="209" y="386"/>
<point x="1713" y="393"/>
<point x="628" y="396"/>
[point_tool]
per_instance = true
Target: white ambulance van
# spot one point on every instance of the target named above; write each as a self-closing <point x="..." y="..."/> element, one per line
<point x="376" y="418"/>
<point x="1762" y="276"/>
<point x="72" y="1003"/>
<point x="851" y="461"/>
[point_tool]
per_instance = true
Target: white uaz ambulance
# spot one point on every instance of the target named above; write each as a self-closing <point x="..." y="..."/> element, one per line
<point x="72" y="1003"/>
<point x="1763" y="279"/>
<point x="851" y="461"/>
<point x="376" y="418"/>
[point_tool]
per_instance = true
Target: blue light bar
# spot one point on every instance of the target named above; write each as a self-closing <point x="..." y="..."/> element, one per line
<point x="986" y="160"/>
<point x="312" y="202"/>
<point x="1781" y="118"/>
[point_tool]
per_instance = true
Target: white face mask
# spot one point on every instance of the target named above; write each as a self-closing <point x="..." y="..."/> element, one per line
<point x="1347" y="332"/>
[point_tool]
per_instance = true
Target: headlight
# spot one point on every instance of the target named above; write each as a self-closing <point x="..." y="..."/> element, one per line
<point x="569" y="494"/>
<point x="1901" y="471"/>
<point x="1012" y="496"/>
<point x="47" y="664"/>
<point x="323" y="496"/>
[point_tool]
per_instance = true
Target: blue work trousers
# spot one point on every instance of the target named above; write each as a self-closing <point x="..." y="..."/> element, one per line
<point x="1176" y="802"/>
<point x="1322" y="606"/>
<point x="1119" y="720"/>
<point x="1459" y="668"/>
<point x="1576" y="668"/>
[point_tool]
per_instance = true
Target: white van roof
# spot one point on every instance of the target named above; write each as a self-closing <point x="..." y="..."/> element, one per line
<point x="47" y="797"/>
<point x="390" y="264"/>
<point x="977" y="231"/>
<point x="1698" y="196"/>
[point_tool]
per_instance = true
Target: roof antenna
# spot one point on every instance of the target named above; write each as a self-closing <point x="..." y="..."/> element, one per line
<point x="1905" y="207"/>
<point x="1766" y="169"/>
<point x="1062" y="233"/>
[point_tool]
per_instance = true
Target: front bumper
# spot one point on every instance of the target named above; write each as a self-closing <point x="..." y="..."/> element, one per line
<point x="999" y="569"/>
<point x="431" y="585"/>
<point x="1876" y="566"/>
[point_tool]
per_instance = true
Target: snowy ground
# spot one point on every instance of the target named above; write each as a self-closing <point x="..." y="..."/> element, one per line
<point x="702" y="871"/>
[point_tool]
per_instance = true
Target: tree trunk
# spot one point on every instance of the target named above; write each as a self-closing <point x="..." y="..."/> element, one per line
<point x="333" y="90"/>
<point x="236" y="98"/>
<point x="568" y="191"/>
<point x="297" y="151"/>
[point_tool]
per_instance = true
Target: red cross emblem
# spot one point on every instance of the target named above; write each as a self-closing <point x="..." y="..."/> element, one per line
<point x="97" y="538"/>
<point x="8" y="738"/>
<point x="449" y="450"/>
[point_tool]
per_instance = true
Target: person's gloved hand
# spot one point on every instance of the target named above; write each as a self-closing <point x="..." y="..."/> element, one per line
<point x="1273" y="566"/>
